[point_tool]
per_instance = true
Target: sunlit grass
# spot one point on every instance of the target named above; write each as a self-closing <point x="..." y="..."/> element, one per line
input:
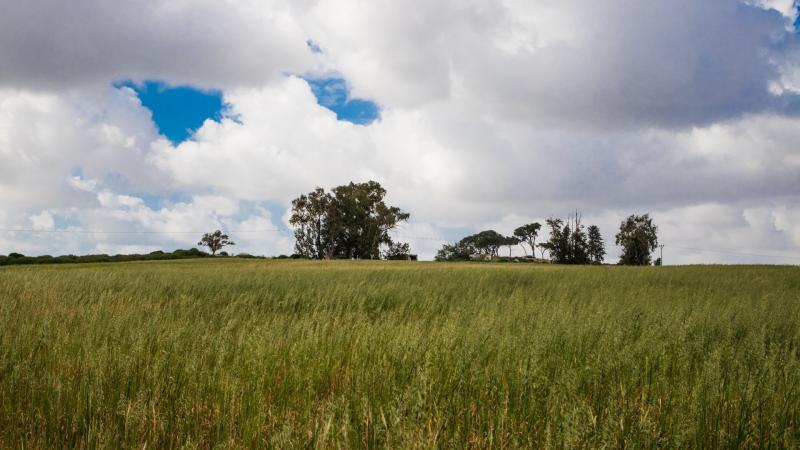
<point x="241" y="354"/>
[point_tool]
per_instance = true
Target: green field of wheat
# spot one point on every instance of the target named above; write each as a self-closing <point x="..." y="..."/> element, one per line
<point x="252" y="354"/>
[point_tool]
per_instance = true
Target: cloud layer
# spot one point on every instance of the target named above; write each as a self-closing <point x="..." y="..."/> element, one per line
<point x="493" y="113"/>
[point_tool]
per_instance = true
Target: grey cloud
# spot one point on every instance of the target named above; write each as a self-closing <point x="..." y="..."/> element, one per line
<point x="562" y="63"/>
<point x="53" y="44"/>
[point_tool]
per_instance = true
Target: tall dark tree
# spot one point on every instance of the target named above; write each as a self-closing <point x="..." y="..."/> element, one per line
<point x="563" y="251"/>
<point x="215" y="241"/>
<point x="578" y="253"/>
<point x="528" y="234"/>
<point x="352" y="221"/>
<point x="638" y="236"/>
<point x="595" y="246"/>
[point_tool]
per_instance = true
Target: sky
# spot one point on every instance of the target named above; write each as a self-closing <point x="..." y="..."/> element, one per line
<point x="178" y="111"/>
<point x="137" y="126"/>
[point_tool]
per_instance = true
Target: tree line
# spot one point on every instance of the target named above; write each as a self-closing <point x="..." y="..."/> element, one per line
<point x="569" y="242"/>
<point x="353" y="222"/>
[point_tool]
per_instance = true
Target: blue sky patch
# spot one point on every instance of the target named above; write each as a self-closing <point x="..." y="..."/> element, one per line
<point x="178" y="111"/>
<point x="797" y="21"/>
<point x="334" y="94"/>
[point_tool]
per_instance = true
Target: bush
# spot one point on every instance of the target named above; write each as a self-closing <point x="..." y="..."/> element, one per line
<point x="457" y="252"/>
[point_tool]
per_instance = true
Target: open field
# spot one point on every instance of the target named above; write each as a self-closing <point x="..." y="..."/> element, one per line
<point x="237" y="354"/>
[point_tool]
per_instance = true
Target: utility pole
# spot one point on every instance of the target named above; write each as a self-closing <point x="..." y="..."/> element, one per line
<point x="661" y="247"/>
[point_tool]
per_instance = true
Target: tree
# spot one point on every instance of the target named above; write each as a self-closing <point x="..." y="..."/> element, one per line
<point x="310" y="218"/>
<point x="556" y="245"/>
<point x="215" y="241"/>
<point x="638" y="237"/>
<point x="486" y="242"/>
<point x="528" y="234"/>
<point x="352" y="221"/>
<point x="543" y="247"/>
<point x="563" y="247"/>
<point x="578" y="253"/>
<point x="595" y="247"/>
<point x="510" y="242"/>
<point x="567" y="243"/>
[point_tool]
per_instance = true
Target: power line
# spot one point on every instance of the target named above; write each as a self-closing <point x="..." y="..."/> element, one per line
<point x="422" y="238"/>
<point x="728" y="252"/>
<point x="266" y="230"/>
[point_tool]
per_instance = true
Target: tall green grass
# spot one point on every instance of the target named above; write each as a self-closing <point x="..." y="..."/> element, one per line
<point x="243" y="354"/>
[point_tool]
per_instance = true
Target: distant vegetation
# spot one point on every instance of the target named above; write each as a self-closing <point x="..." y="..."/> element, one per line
<point x="18" y="259"/>
<point x="228" y="353"/>
<point x="570" y="242"/>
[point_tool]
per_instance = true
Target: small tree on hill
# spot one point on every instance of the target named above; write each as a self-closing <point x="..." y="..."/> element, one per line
<point x="215" y="241"/>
